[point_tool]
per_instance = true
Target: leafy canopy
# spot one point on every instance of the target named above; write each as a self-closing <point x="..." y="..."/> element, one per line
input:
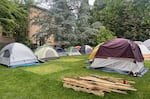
<point x="127" y="18"/>
<point x="12" y="17"/>
<point x="68" y="20"/>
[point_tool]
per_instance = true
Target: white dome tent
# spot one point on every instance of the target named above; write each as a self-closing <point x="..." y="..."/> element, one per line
<point x="46" y="53"/>
<point x="73" y="51"/>
<point x="147" y="43"/>
<point x="145" y="51"/>
<point x="17" y="54"/>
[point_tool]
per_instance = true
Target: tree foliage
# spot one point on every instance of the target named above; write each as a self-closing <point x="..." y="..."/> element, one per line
<point x="57" y="20"/>
<point x="68" y="21"/>
<point x="104" y="35"/>
<point x="86" y="32"/>
<point x="127" y="18"/>
<point x="13" y="18"/>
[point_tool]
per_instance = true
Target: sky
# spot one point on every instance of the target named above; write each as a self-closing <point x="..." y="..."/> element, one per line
<point x="91" y="2"/>
<point x="44" y="5"/>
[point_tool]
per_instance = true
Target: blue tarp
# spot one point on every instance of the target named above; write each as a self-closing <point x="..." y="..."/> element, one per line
<point x="28" y="64"/>
<point x="118" y="71"/>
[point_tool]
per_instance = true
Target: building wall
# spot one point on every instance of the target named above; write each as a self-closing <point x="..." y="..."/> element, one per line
<point x="35" y="11"/>
<point x="33" y="28"/>
<point x="5" y="39"/>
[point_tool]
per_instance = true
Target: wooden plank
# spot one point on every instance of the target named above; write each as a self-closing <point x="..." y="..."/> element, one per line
<point x="146" y="56"/>
<point x="85" y="84"/>
<point x="98" y="85"/>
<point x="99" y="93"/>
<point x="91" y="85"/>
<point x="118" y="91"/>
<point x="106" y="88"/>
<point x="115" y="81"/>
<point x="120" y="80"/>
<point x="107" y="83"/>
<point x="101" y="88"/>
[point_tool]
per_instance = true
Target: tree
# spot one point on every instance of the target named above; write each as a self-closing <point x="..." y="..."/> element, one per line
<point x="127" y="18"/>
<point x="68" y="21"/>
<point x="58" y="20"/>
<point x="84" y="30"/>
<point x="104" y="35"/>
<point x="13" y="18"/>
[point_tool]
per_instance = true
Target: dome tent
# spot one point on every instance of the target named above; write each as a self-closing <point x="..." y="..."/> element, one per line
<point x="147" y="43"/>
<point x="17" y="54"/>
<point x="120" y="55"/>
<point x="46" y="52"/>
<point x="85" y="49"/>
<point x="93" y="53"/>
<point x="73" y="51"/>
<point x="60" y="51"/>
<point x="145" y="51"/>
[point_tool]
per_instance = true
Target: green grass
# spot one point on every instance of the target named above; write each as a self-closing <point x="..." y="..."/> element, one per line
<point x="44" y="81"/>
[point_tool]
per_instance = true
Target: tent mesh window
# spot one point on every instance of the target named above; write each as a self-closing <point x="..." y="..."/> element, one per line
<point x="74" y="50"/>
<point x="49" y="54"/>
<point x="6" y="53"/>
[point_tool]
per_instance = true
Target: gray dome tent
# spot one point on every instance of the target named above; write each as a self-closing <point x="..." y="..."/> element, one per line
<point x="86" y="49"/>
<point x="17" y="54"/>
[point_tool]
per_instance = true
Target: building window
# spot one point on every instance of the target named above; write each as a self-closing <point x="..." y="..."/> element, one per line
<point x="0" y="29"/>
<point x="6" y="34"/>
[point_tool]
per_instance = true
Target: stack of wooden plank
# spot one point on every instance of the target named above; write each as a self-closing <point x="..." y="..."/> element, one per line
<point x="146" y="56"/>
<point x="98" y="85"/>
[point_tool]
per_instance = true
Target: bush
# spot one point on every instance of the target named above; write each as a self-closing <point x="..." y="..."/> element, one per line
<point x="105" y="35"/>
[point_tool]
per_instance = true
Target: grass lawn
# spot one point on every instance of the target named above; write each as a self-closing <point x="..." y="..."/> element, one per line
<point x="44" y="81"/>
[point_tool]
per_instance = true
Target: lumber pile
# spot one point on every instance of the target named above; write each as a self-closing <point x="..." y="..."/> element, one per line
<point x="146" y="56"/>
<point x="98" y="85"/>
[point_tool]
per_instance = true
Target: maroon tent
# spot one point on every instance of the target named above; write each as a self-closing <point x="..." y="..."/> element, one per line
<point x="120" y="55"/>
<point x="120" y="48"/>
